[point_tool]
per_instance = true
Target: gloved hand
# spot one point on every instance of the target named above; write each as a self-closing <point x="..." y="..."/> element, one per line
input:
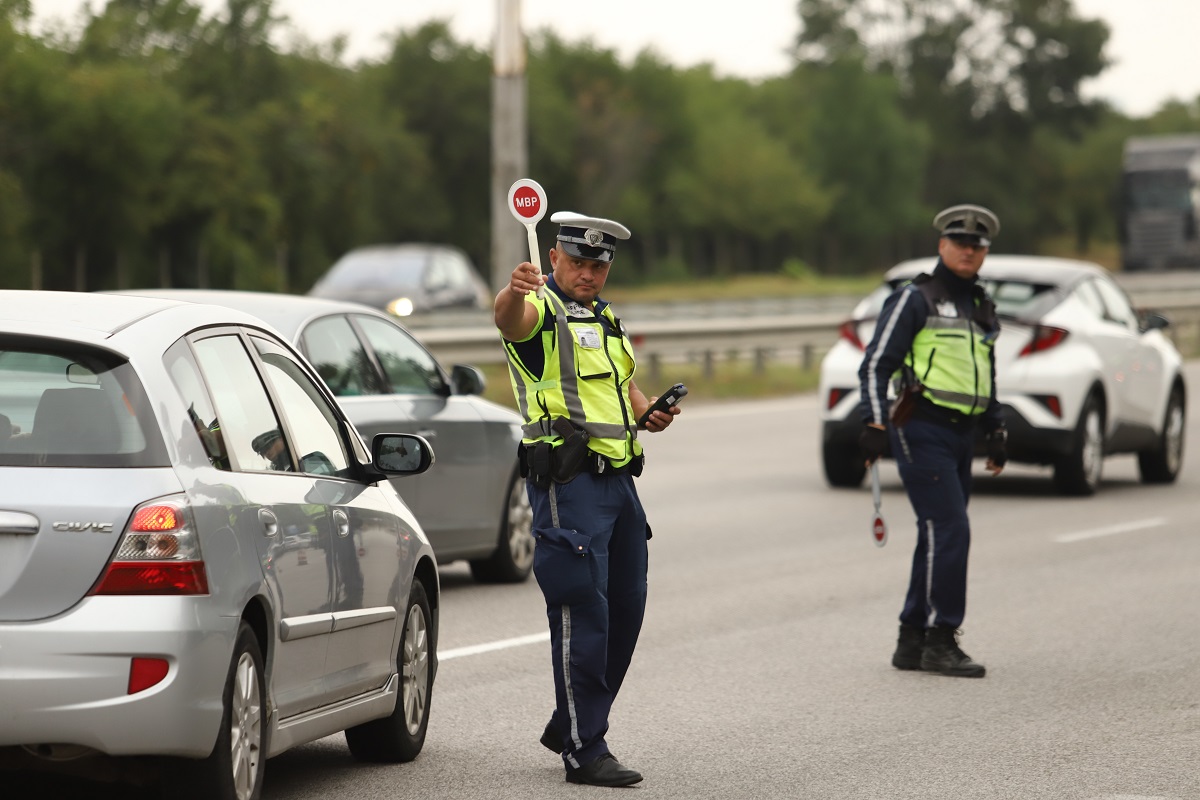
<point x="872" y="442"/>
<point x="997" y="447"/>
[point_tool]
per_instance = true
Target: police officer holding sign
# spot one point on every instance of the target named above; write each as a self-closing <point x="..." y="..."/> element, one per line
<point x="936" y="336"/>
<point x="571" y="366"/>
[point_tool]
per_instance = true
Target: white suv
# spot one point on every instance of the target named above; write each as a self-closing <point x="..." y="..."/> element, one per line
<point x="1080" y="374"/>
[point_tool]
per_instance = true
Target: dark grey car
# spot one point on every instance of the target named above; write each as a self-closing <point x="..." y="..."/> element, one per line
<point x="404" y="279"/>
<point x="471" y="504"/>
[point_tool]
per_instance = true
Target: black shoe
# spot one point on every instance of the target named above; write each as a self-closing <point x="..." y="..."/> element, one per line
<point x="604" y="771"/>
<point x="550" y="738"/>
<point x="943" y="655"/>
<point x="908" y="647"/>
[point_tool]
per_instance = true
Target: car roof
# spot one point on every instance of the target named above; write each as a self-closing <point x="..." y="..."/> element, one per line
<point x="105" y="318"/>
<point x="287" y="313"/>
<point x="1028" y="269"/>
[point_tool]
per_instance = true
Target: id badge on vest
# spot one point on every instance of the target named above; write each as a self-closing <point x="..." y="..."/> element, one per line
<point x="588" y="338"/>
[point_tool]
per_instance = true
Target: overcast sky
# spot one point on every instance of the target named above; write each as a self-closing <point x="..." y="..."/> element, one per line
<point x="1155" y="44"/>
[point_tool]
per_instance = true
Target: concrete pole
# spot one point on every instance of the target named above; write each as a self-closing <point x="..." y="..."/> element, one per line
<point x="510" y="140"/>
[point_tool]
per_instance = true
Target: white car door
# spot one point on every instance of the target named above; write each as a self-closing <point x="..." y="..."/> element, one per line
<point x="1140" y="365"/>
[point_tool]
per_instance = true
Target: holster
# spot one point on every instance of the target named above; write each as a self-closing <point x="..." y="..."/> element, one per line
<point x="906" y="399"/>
<point x="567" y="459"/>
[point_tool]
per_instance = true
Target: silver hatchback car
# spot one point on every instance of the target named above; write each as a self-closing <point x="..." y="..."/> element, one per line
<point x="199" y="559"/>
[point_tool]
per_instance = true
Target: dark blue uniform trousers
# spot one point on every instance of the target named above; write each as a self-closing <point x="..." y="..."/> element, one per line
<point x="590" y="562"/>
<point x="935" y="465"/>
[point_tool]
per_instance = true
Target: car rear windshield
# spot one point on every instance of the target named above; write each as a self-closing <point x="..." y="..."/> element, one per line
<point x="63" y="404"/>
<point x="1014" y="299"/>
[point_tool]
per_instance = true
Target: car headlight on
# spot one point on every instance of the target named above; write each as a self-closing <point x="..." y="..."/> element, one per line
<point x="401" y="307"/>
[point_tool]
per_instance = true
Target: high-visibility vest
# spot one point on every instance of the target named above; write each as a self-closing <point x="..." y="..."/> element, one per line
<point x="586" y="377"/>
<point x="952" y="355"/>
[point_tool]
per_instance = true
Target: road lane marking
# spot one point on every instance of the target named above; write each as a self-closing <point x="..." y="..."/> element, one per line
<point x="1111" y="530"/>
<point x="487" y="647"/>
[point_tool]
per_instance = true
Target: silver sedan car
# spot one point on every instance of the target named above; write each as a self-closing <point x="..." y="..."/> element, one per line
<point x="199" y="557"/>
<point x="472" y="504"/>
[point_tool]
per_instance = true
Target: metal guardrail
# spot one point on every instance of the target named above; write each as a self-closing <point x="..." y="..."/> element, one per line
<point x="801" y="338"/>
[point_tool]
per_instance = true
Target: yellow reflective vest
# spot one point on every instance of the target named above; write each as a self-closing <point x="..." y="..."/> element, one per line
<point x="588" y="366"/>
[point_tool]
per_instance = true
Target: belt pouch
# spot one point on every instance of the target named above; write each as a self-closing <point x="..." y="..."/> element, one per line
<point x="540" y="456"/>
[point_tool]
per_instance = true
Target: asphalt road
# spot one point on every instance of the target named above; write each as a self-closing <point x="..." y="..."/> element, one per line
<point x="764" y="665"/>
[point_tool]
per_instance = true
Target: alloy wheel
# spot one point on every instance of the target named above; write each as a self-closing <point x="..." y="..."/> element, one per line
<point x="415" y="691"/>
<point x="245" y="722"/>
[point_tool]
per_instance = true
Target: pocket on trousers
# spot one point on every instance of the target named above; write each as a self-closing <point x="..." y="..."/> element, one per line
<point x="562" y="564"/>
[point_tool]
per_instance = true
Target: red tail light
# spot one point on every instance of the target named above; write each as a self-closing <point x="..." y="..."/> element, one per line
<point x="1044" y="338"/>
<point x="848" y="330"/>
<point x="159" y="553"/>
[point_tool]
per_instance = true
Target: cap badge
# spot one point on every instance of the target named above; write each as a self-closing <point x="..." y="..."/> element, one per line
<point x="593" y="236"/>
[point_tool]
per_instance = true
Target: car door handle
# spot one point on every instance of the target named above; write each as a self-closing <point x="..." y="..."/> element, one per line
<point x="427" y="434"/>
<point x="269" y="521"/>
<point x="341" y="523"/>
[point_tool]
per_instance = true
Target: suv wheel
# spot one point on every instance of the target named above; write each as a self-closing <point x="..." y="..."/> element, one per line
<point x="1078" y="472"/>
<point x="1162" y="464"/>
<point x="844" y="465"/>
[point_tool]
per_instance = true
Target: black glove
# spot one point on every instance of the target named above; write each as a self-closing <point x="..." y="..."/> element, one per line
<point x="997" y="447"/>
<point x="872" y="442"/>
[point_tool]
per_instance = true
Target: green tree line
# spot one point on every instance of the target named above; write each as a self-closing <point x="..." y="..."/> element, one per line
<point x="156" y="144"/>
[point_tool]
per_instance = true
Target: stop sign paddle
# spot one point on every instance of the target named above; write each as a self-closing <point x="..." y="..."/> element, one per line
<point x="527" y="202"/>
<point x="878" y="526"/>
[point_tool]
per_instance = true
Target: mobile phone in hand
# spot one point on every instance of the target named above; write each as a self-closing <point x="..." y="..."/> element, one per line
<point x="670" y="397"/>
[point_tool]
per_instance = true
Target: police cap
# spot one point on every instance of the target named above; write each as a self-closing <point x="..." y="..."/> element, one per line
<point x="975" y="224"/>
<point x="590" y="238"/>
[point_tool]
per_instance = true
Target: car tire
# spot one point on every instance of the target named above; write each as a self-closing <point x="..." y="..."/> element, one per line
<point x="401" y="735"/>
<point x="234" y="770"/>
<point x="844" y="465"/>
<point x="1162" y="464"/>
<point x="512" y="560"/>
<point x="1078" y="472"/>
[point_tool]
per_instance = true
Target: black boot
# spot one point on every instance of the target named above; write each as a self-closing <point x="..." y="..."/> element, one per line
<point x="943" y="655"/>
<point x="551" y="739"/>
<point x="909" y="647"/>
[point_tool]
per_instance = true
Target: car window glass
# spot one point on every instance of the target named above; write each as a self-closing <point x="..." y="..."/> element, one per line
<point x="338" y="355"/>
<point x="70" y="405"/>
<point x="438" y="276"/>
<point x="1021" y="299"/>
<point x="314" y="426"/>
<point x="185" y="374"/>
<point x="247" y="421"/>
<point x="1116" y="305"/>
<point x="408" y="367"/>
<point x="1089" y="296"/>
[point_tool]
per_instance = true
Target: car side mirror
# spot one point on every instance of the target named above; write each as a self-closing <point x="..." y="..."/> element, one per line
<point x="465" y="379"/>
<point x="1153" y="321"/>
<point x="401" y="454"/>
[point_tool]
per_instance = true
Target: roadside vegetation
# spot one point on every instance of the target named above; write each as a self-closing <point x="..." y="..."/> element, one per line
<point x="160" y="143"/>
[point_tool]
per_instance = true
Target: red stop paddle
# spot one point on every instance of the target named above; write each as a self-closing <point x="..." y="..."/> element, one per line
<point x="878" y="526"/>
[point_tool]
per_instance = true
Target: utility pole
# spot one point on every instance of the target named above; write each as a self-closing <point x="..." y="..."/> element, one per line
<point x="510" y="141"/>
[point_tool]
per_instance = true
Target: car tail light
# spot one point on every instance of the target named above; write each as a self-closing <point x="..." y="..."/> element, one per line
<point x="159" y="553"/>
<point x="1044" y="338"/>
<point x="848" y="330"/>
<point x="146" y="672"/>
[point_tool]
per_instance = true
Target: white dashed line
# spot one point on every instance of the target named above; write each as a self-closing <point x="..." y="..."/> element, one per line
<point x="487" y="647"/>
<point x="1111" y="530"/>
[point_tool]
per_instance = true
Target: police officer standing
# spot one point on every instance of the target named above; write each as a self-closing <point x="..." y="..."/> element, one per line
<point x="571" y="366"/>
<point x="936" y="336"/>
